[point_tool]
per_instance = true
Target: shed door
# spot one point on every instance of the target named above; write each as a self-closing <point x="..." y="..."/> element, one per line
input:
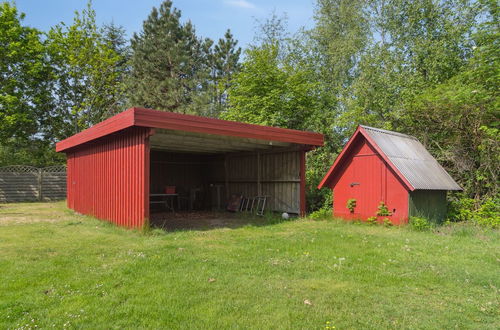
<point x="367" y="184"/>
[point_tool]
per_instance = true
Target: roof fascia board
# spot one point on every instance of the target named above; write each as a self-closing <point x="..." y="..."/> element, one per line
<point x="339" y="158"/>
<point x="174" y="121"/>
<point x="158" y="119"/>
<point x="116" y="123"/>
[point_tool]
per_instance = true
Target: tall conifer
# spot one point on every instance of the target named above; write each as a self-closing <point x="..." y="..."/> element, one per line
<point x="167" y="62"/>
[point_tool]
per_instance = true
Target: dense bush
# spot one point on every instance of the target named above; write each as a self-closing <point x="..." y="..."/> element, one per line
<point x="485" y="213"/>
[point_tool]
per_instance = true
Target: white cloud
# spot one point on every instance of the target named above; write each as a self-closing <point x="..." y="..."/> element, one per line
<point x="240" y="3"/>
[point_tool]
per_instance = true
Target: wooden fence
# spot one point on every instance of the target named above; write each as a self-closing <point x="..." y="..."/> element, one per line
<point x="20" y="183"/>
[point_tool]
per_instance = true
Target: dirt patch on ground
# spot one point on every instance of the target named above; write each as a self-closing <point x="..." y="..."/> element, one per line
<point x="200" y="220"/>
<point x="31" y="212"/>
<point x="184" y="220"/>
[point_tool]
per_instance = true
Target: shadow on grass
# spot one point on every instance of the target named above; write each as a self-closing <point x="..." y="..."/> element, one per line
<point x="209" y="220"/>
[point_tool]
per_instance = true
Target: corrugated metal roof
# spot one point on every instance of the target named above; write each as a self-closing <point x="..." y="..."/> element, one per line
<point x="411" y="158"/>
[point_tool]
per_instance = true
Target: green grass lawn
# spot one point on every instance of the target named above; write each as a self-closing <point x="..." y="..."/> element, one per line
<point x="58" y="269"/>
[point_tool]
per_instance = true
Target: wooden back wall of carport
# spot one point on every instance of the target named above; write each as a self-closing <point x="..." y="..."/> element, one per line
<point x="273" y="174"/>
<point x="107" y="177"/>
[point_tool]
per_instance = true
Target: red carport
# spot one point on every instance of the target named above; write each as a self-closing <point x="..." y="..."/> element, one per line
<point x="114" y="166"/>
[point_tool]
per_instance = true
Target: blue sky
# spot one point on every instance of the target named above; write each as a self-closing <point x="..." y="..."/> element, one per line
<point x="210" y="17"/>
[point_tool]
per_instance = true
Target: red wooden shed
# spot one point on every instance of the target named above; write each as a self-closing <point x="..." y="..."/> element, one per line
<point x="115" y="166"/>
<point x="379" y="166"/>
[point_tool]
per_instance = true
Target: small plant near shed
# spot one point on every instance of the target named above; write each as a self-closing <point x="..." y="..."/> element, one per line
<point x="420" y="223"/>
<point x="351" y="204"/>
<point x="383" y="210"/>
<point x="387" y="222"/>
<point x="321" y="214"/>
<point x="372" y="220"/>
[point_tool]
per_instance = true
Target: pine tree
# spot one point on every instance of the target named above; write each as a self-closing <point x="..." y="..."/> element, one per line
<point x="114" y="37"/>
<point x="224" y="64"/>
<point x="167" y="64"/>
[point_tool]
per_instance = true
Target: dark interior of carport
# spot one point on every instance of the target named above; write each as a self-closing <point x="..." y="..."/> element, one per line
<point x="198" y="173"/>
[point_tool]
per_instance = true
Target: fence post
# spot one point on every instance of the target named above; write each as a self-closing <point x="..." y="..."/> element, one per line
<point x="40" y="178"/>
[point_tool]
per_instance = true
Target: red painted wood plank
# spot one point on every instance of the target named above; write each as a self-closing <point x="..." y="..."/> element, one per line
<point x="328" y="178"/>
<point x="147" y="177"/>
<point x="218" y="122"/>
<point x="175" y="121"/>
<point x="116" y="123"/>
<point x="167" y="120"/>
<point x="374" y="182"/>
<point x="330" y="175"/>
<point x="109" y="180"/>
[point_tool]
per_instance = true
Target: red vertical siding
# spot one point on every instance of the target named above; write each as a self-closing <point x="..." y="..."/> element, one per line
<point x="70" y="168"/>
<point x="396" y="197"/>
<point x="366" y="177"/>
<point x="109" y="178"/>
<point x="147" y="176"/>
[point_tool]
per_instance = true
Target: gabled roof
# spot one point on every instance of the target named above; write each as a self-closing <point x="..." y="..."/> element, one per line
<point x="140" y="117"/>
<point x="407" y="157"/>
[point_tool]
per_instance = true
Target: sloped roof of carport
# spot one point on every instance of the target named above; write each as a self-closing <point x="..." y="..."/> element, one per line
<point x="168" y="121"/>
<point x="406" y="156"/>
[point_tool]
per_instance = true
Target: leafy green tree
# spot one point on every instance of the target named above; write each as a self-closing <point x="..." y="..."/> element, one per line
<point x="433" y="36"/>
<point x="414" y="45"/>
<point x="331" y="52"/>
<point x="85" y="76"/>
<point x="459" y="119"/>
<point x="35" y="152"/>
<point x="269" y="93"/>
<point x="277" y="86"/>
<point x="23" y="77"/>
<point x="24" y="92"/>
<point x="455" y="120"/>
<point x="168" y="63"/>
<point x="341" y="34"/>
<point x="377" y="93"/>
<point x="269" y="90"/>
<point x="273" y="31"/>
